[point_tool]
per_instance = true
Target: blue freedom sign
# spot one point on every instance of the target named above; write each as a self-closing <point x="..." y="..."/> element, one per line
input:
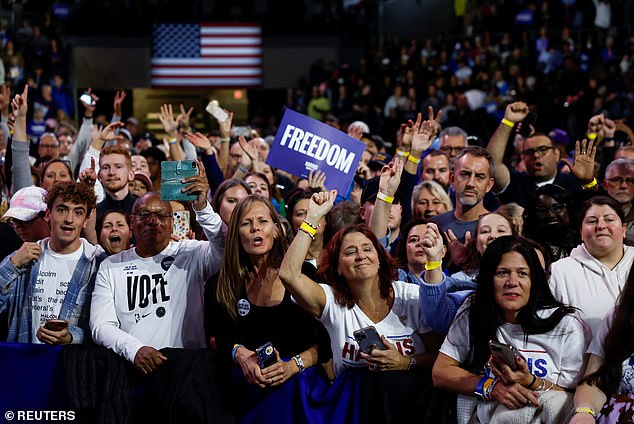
<point x="303" y="144"/>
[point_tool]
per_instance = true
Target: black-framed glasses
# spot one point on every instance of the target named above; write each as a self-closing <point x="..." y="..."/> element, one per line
<point x="147" y="215"/>
<point x="556" y="208"/>
<point x="620" y="180"/>
<point x="540" y="151"/>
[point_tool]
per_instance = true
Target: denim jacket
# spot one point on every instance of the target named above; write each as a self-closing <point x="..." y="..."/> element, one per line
<point x="16" y="292"/>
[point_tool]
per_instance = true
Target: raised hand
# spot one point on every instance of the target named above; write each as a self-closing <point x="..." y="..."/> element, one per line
<point x="459" y="251"/>
<point x="199" y="140"/>
<point x="20" y="105"/>
<point x="119" y="96"/>
<point x="319" y="205"/>
<point x="251" y="151"/>
<point x="434" y="121"/>
<point x="317" y="179"/>
<point x="516" y="112"/>
<point x="355" y="131"/>
<point x="583" y="165"/>
<point x="88" y="176"/>
<point x="198" y="184"/>
<point x="166" y="117"/>
<point x="432" y="243"/>
<point x="185" y="117"/>
<point x="90" y="108"/>
<point x="390" y="177"/>
<point x="423" y="136"/>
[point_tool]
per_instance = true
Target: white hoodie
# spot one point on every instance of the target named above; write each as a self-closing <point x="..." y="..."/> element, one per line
<point x="580" y="280"/>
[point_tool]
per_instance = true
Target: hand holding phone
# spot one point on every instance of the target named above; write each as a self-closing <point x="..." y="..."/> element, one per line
<point x="368" y="339"/>
<point x="266" y="355"/>
<point x="87" y="99"/>
<point x="172" y="175"/>
<point x="504" y="353"/>
<point x="55" y="324"/>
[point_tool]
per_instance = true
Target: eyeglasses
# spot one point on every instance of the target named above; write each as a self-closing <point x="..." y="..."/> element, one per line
<point x="540" y="151"/>
<point x="620" y="180"/>
<point x="556" y="208"/>
<point x="147" y="215"/>
<point x="49" y="146"/>
<point x="448" y="149"/>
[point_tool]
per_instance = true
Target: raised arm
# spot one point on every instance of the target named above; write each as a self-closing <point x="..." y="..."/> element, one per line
<point x="514" y="113"/>
<point x="308" y="294"/>
<point x="388" y="184"/>
<point x="20" y="145"/>
<point x="170" y="126"/>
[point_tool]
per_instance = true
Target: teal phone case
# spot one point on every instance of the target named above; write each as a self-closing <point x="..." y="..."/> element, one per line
<point x="172" y="172"/>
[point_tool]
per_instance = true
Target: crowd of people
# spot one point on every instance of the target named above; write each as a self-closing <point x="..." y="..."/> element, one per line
<point x="478" y="269"/>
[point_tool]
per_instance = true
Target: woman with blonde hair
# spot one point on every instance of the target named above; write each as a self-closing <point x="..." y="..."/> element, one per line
<point x="429" y="199"/>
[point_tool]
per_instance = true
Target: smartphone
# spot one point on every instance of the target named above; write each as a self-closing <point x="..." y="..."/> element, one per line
<point x="504" y="353"/>
<point x="266" y="355"/>
<point x="87" y="98"/>
<point x="180" y="228"/>
<point x="172" y="172"/>
<point x="368" y="339"/>
<point x="55" y="324"/>
<point x="216" y="111"/>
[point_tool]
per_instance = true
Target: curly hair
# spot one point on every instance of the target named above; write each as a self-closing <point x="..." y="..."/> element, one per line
<point x="329" y="261"/>
<point x="78" y="193"/>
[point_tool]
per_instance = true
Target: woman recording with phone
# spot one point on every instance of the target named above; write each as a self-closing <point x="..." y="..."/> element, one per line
<point x="362" y="292"/>
<point x="251" y="307"/>
<point x="513" y="305"/>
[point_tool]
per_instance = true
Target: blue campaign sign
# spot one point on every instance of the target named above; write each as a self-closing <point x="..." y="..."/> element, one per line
<point x="303" y="144"/>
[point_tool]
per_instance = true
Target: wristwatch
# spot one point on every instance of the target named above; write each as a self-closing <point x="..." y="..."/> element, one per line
<point x="299" y="362"/>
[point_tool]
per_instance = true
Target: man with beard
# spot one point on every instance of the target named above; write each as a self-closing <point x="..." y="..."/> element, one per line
<point x="471" y="180"/>
<point x="540" y="157"/>
<point x="436" y="168"/>
<point x="619" y="183"/>
<point x="115" y="172"/>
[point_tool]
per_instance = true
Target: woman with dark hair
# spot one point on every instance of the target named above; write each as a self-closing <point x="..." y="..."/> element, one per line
<point x="251" y="307"/>
<point x="592" y="277"/>
<point x="113" y="231"/>
<point x="548" y="220"/>
<point x="610" y="370"/>
<point x="512" y="305"/>
<point x="227" y="196"/>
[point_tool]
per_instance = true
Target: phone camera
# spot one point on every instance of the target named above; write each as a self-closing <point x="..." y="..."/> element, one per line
<point x="371" y="347"/>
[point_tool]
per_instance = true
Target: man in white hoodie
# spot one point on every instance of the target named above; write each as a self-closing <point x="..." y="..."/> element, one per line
<point x="594" y="274"/>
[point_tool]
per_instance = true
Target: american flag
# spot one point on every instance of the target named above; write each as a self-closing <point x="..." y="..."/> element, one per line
<point x="207" y="55"/>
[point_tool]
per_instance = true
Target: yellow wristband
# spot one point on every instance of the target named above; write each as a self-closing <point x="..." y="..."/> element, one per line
<point x="172" y="141"/>
<point x="590" y="184"/>
<point x="508" y="123"/>
<point x="412" y="159"/>
<point x="586" y="410"/>
<point x="592" y="136"/>
<point x="432" y="265"/>
<point x="385" y="197"/>
<point x="308" y="229"/>
<point x="401" y="153"/>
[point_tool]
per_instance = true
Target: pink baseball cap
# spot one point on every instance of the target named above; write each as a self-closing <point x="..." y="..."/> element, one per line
<point x="26" y="204"/>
